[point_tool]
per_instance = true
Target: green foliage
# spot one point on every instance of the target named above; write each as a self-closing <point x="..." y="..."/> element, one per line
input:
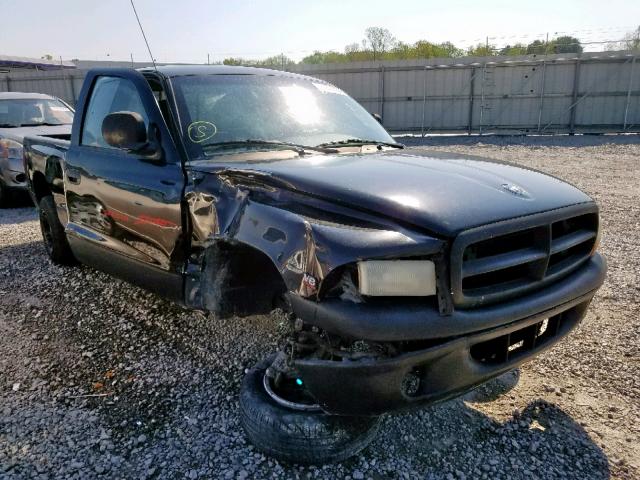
<point x="277" y="61"/>
<point x="380" y="44"/>
<point x="513" y="50"/>
<point x="537" y="47"/>
<point x="481" y="50"/>
<point x="564" y="44"/>
<point x="399" y="51"/>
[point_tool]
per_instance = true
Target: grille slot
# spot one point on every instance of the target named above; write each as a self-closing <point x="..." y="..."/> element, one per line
<point x="515" y="344"/>
<point x="502" y="261"/>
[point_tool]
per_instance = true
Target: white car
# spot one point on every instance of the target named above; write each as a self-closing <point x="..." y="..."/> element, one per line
<point x="27" y="114"/>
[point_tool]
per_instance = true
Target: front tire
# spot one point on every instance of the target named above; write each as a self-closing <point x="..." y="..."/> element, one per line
<point x="55" y="240"/>
<point x="309" y="437"/>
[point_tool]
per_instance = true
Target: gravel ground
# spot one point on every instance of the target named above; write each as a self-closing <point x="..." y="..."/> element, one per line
<point x="99" y="379"/>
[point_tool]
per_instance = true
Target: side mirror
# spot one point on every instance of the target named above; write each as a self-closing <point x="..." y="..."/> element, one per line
<point x="377" y="117"/>
<point x="125" y="130"/>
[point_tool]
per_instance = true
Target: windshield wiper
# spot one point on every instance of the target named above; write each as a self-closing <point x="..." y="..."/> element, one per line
<point x="42" y="124"/>
<point x="358" y="142"/>
<point x="8" y="125"/>
<point x="300" y="149"/>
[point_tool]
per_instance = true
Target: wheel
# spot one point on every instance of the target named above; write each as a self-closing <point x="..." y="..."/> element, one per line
<point x="300" y="432"/>
<point x="55" y="240"/>
<point x="4" y="195"/>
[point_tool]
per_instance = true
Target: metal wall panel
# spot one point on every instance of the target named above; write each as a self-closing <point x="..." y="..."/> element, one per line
<point x="553" y="93"/>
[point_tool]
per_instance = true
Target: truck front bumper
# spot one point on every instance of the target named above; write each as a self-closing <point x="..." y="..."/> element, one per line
<point x="453" y="353"/>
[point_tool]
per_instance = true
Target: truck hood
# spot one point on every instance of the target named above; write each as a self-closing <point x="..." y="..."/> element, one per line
<point x="442" y="192"/>
<point x="18" y="133"/>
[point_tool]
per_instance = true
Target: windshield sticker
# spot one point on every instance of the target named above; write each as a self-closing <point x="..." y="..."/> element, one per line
<point x="200" y="131"/>
<point x="328" y="88"/>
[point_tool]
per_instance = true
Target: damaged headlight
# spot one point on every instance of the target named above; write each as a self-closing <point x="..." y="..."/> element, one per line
<point x="397" y="278"/>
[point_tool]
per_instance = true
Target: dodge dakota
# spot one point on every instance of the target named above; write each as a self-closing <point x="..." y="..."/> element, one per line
<point x="408" y="276"/>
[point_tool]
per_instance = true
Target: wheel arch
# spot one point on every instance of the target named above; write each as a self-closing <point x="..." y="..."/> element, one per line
<point x="238" y="279"/>
<point x="40" y="187"/>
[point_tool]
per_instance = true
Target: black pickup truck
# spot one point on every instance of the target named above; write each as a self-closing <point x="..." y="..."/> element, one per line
<point x="408" y="276"/>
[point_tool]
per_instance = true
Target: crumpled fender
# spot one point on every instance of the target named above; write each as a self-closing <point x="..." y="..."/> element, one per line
<point x="287" y="228"/>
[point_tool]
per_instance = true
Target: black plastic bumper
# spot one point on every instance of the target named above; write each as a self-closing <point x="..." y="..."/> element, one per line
<point x="467" y="349"/>
<point x="387" y="320"/>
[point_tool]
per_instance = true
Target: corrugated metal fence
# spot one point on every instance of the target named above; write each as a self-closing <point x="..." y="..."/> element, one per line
<point x="592" y="92"/>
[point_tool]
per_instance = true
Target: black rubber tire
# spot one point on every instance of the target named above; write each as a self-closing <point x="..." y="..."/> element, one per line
<point x="296" y="436"/>
<point x="4" y="195"/>
<point x="55" y="240"/>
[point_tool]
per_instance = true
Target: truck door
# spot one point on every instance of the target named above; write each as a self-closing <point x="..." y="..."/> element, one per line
<point x="125" y="207"/>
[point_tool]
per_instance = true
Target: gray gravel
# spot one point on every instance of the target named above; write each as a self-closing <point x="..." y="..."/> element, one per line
<point x="99" y="379"/>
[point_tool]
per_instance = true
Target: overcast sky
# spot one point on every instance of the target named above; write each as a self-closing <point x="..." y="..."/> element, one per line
<point x="186" y="30"/>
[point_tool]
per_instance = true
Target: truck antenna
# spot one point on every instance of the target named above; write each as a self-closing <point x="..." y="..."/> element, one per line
<point x="144" y="36"/>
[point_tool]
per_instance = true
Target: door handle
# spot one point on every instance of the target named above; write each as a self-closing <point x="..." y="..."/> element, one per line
<point x="73" y="175"/>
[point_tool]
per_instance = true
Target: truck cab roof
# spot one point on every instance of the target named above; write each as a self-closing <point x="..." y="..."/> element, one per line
<point x="190" y="70"/>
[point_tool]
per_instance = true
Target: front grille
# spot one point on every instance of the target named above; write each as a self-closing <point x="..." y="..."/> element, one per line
<point x="506" y="259"/>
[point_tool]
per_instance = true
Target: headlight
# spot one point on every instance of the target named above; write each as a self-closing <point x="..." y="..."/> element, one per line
<point x="11" y="150"/>
<point x="398" y="278"/>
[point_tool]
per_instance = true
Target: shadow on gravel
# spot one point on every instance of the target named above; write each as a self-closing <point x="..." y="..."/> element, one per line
<point x="17" y="199"/>
<point x="14" y="216"/>
<point x="495" y="388"/>
<point x="541" y="441"/>
<point x="520" y="140"/>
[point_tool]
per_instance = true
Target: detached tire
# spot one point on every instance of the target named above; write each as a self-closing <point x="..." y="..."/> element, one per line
<point x="299" y="436"/>
<point x="55" y="240"/>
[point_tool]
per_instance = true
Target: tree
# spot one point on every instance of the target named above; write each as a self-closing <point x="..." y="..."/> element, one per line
<point x="47" y="57"/>
<point x="451" y="50"/>
<point x="632" y="40"/>
<point x="481" y="50"/>
<point x="565" y="44"/>
<point x="235" y="61"/>
<point x="277" y="61"/>
<point x="513" y="50"/>
<point x="378" y="40"/>
<point x="537" y="47"/>
<point x="352" y="53"/>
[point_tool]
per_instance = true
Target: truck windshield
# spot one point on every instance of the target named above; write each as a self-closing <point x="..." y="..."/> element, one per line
<point x="32" y="112"/>
<point x="223" y="113"/>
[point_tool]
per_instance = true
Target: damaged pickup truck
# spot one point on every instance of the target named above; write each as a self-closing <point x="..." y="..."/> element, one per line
<point x="408" y="276"/>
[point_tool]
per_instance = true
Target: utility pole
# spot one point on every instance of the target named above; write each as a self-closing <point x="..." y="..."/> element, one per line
<point x="131" y="59"/>
<point x="546" y="45"/>
<point x="208" y="59"/>
<point x="487" y="46"/>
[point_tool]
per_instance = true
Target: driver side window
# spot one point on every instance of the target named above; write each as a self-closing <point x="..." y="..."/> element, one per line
<point x="109" y="95"/>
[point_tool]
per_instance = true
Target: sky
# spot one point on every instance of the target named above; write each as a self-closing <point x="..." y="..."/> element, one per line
<point x="188" y="30"/>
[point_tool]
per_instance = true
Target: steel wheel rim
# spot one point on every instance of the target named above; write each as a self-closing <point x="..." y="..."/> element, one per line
<point x="287" y="403"/>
